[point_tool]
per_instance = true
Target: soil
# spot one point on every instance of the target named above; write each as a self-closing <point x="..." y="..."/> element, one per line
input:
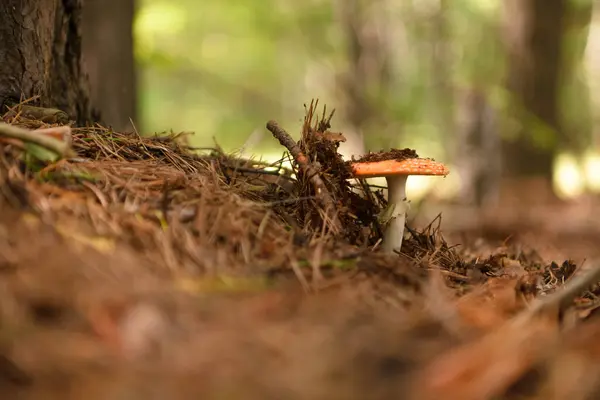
<point x="144" y="269"/>
<point x="392" y="154"/>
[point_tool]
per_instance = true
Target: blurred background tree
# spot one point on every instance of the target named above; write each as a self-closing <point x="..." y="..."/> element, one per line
<point x="500" y="89"/>
<point x="108" y="52"/>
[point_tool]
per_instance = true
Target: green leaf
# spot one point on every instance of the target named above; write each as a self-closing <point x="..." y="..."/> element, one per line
<point x="41" y="153"/>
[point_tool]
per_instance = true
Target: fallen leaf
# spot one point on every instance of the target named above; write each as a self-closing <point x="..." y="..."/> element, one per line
<point x="490" y="304"/>
<point x="488" y="366"/>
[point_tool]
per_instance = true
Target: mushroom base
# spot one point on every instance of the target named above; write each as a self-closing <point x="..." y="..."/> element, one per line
<point x="394" y="231"/>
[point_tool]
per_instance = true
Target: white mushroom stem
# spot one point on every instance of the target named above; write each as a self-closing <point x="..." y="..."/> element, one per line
<point x="394" y="232"/>
<point x="396" y="173"/>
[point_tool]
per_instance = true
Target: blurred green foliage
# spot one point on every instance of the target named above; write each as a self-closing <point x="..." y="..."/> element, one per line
<point x="222" y="69"/>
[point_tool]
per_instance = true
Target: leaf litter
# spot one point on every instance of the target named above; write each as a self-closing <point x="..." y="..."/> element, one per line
<point x="143" y="266"/>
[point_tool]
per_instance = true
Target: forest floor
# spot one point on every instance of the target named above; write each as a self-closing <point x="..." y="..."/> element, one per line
<point x="137" y="268"/>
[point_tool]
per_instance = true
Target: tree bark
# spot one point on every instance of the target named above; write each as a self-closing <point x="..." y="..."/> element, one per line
<point x="576" y="110"/>
<point x="534" y="42"/>
<point x="441" y="79"/>
<point x="40" y="49"/>
<point x="108" y="55"/>
<point x="479" y="159"/>
<point x="368" y="76"/>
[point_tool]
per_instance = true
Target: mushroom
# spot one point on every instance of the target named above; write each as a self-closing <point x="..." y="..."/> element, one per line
<point x="396" y="173"/>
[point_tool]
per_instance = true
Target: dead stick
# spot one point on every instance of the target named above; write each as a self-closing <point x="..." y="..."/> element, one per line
<point x="320" y="189"/>
<point x="57" y="146"/>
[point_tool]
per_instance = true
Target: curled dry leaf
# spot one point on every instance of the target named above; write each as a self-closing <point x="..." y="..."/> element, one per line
<point x="575" y="372"/>
<point x="62" y="133"/>
<point x="491" y="304"/>
<point x="488" y="366"/>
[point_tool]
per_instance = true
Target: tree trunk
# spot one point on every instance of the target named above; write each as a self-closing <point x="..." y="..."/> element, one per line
<point x="441" y="78"/>
<point x="40" y="49"/>
<point x="534" y="41"/>
<point x="576" y="110"/>
<point x="368" y="75"/>
<point x="352" y="83"/>
<point x="109" y="60"/>
<point x="479" y="160"/>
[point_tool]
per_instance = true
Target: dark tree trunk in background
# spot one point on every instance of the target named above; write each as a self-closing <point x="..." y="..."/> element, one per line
<point x="365" y="26"/>
<point x="576" y="99"/>
<point x="355" y="81"/>
<point x="40" y="54"/>
<point x="441" y="79"/>
<point x="534" y="32"/>
<point x="479" y="158"/>
<point x="108" y="55"/>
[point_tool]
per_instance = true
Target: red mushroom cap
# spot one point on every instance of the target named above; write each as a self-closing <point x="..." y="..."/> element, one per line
<point x="409" y="166"/>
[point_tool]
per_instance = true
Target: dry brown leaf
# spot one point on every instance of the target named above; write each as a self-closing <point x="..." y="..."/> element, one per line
<point x="488" y="366"/>
<point x="490" y="304"/>
<point x="575" y="372"/>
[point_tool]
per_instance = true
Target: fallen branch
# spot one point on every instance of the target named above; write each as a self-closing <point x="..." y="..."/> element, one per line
<point x="41" y="138"/>
<point x="307" y="168"/>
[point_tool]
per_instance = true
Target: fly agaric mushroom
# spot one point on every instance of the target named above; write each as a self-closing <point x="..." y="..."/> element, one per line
<point x="396" y="173"/>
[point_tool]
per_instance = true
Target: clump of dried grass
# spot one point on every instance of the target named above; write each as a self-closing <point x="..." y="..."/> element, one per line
<point x="204" y="214"/>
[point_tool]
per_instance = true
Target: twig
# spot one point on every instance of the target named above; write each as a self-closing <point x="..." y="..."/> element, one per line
<point x="57" y="146"/>
<point x="286" y="140"/>
<point x="320" y="189"/>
